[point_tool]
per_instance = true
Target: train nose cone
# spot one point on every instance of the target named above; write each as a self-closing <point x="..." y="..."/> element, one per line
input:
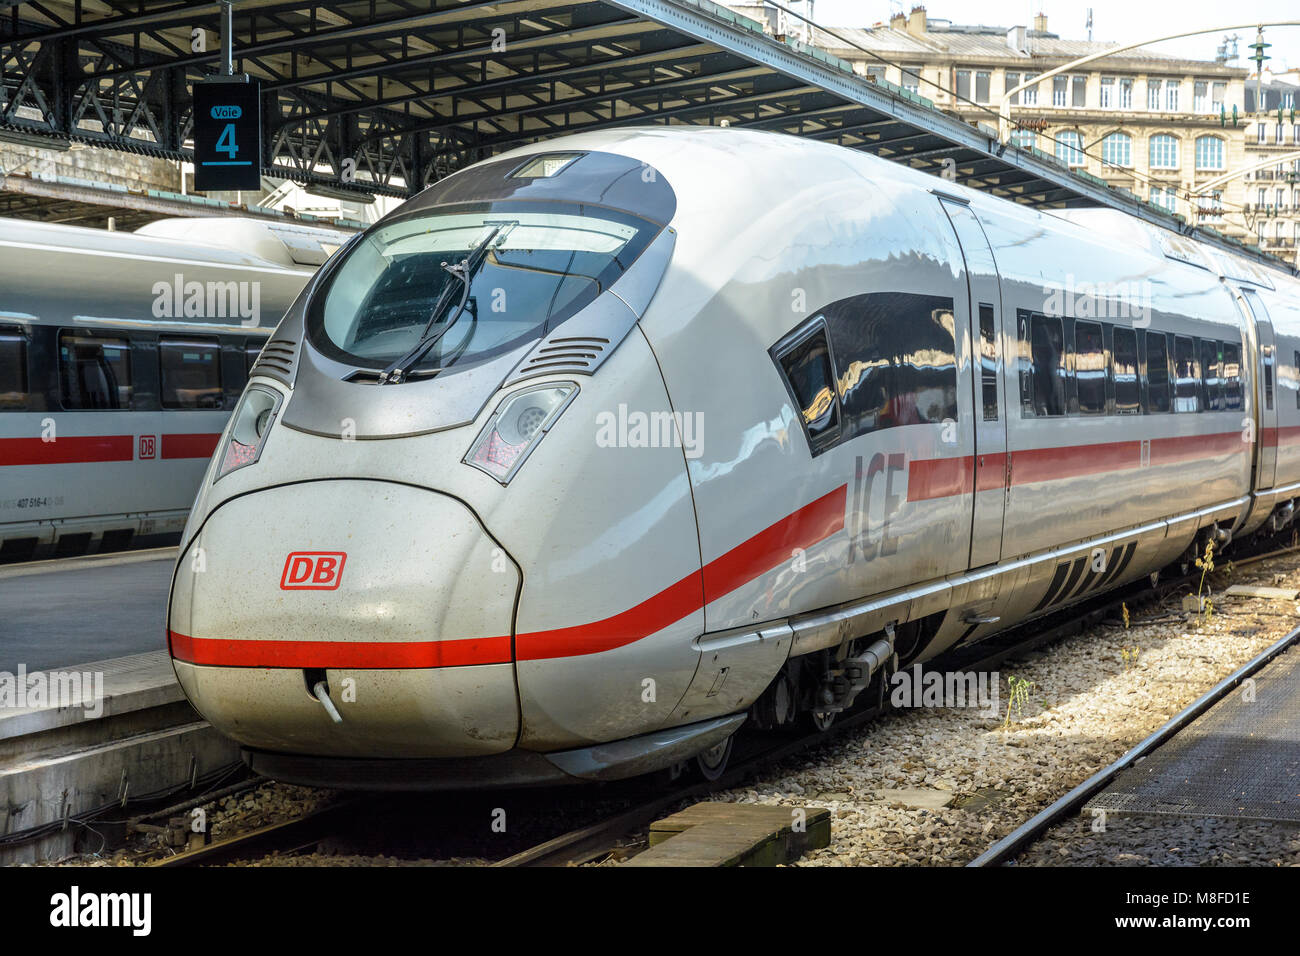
<point x="394" y="596"/>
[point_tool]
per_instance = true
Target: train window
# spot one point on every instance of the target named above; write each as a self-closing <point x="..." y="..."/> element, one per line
<point x="1126" y="372"/>
<point x="810" y="377"/>
<point x="895" y="354"/>
<point x="1211" y="376"/>
<point x="1090" y="368"/>
<point x="1042" y="365"/>
<point x="191" y="373"/>
<point x="13" y="367"/>
<point x="1157" y="372"/>
<point x="1187" y="376"/>
<point x="989" y="361"/>
<point x="94" y="372"/>
<point x="1232" y="376"/>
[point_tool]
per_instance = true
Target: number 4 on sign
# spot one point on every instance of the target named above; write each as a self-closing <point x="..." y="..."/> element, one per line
<point x="226" y="143"/>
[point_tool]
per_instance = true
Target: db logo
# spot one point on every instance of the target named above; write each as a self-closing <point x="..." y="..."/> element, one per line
<point x="312" y="570"/>
<point x="147" y="446"/>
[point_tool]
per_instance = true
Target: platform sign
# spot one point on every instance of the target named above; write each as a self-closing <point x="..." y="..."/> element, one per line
<point x="227" y="134"/>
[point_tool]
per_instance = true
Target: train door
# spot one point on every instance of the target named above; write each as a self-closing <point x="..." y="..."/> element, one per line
<point x="990" y="451"/>
<point x="1265" y="393"/>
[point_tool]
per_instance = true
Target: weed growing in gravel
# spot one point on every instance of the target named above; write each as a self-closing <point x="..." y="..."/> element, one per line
<point x="1129" y="655"/>
<point x="1020" y="688"/>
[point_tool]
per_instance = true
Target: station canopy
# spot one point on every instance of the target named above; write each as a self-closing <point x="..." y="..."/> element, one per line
<point x="387" y="96"/>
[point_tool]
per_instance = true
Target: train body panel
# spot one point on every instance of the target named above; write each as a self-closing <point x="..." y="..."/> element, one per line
<point x="749" y="441"/>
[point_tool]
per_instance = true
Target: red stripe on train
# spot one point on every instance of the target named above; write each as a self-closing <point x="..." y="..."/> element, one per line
<point x="189" y="446"/>
<point x="759" y="554"/>
<point x="71" y="450"/>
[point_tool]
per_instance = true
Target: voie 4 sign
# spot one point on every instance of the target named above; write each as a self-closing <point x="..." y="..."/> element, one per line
<point x="227" y="134"/>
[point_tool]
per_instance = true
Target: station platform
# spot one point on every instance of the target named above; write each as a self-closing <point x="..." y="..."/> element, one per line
<point x="1239" y="760"/>
<point x="72" y="610"/>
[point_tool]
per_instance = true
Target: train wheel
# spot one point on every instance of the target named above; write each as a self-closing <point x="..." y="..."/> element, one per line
<point x="712" y="764"/>
<point x="821" y="720"/>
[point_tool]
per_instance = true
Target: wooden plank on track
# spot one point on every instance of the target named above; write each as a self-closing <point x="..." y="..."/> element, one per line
<point x="714" y="833"/>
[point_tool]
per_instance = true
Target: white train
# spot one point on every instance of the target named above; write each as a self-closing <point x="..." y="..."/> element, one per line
<point x="121" y="356"/>
<point x="595" y="449"/>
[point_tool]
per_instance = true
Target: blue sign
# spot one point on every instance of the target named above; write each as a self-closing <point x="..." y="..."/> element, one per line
<point x="227" y="134"/>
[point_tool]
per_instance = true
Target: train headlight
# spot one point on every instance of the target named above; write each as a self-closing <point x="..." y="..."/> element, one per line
<point x="249" y="427"/>
<point x="516" y="427"/>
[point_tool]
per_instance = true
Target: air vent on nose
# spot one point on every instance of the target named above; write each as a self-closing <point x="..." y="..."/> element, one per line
<point x="563" y="354"/>
<point x="277" y="360"/>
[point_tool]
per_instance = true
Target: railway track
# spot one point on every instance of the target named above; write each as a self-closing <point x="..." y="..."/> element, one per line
<point x="600" y="839"/>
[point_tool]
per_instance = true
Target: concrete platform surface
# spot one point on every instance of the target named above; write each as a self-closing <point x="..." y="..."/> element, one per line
<point x="55" y="614"/>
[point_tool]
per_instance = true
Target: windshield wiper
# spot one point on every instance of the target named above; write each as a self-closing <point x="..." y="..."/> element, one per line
<point x="465" y="271"/>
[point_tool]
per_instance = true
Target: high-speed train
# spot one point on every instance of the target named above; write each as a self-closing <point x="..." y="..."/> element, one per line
<point x="597" y="449"/>
<point x="121" y="356"/>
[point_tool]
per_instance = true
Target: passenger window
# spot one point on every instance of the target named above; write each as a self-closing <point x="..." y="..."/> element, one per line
<point x="1232" y="377"/>
<point x="989" y="361"/>
<point x="191" y="373"/>
<point x="1090" y="368"/>
<point x="895" y="355"/>
<point x="1157" y="372"/>
<point x="1212" y="379"/>
<point x="809" y="375"/>
<point x="1042" y="365"/>
<point x="1187" y="377"/>
<point x="1126" y="372"/>
<point x="94" y="372"/>
<point x="13" y="367"/>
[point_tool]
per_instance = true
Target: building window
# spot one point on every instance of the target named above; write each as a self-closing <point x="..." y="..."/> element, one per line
<point x="1261" y="197"/>
<point x="1153" y="95"/>
<point x="1209" y="207"/>
<point x="1024" y="138"/>
<point x="963" y="84"/>
<point x="1295" y="133"/>
<point x="1261" y="132"/>
<point x="912" y="78"/>
<point x="1209" y="152"/>
<point x="1200" y="96"/>
<point x="1069" y="148"/>
<point x="1031" y="92"/>
<point x="982" y="87"/>
<point x="1117" y="150"/>
<point x="1171" y="95"/>
<point x="1164" y="151"/>
<point x="1060" y="87"/>
<point x="1164" y="196"/>
<point x="1218" y="97"/>
<point x="1107" y="92"/>
<point x="1013" y="80"/>
<point x="1079" y="91"/>
<point x="1278" y="136"/>
<point x="1126" y="93"/>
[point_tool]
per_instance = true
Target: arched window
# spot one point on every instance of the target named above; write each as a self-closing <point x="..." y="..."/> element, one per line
<point x="1209" y="152"/>
<point x="1117" y="150"/>
<point x="1164" y="151"/>
<point x="1069" y="148"/>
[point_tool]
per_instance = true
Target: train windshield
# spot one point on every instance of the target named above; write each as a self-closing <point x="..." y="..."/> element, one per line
<point x="474" y="281"/>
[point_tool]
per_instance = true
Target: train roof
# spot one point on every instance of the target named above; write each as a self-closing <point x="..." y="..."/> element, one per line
<point x="247" y="243"/>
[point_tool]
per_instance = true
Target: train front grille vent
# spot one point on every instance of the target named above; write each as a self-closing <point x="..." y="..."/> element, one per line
<point x="368" y="376"/>
<point x="276" y="360"/>
<point x="565" y="354"/>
